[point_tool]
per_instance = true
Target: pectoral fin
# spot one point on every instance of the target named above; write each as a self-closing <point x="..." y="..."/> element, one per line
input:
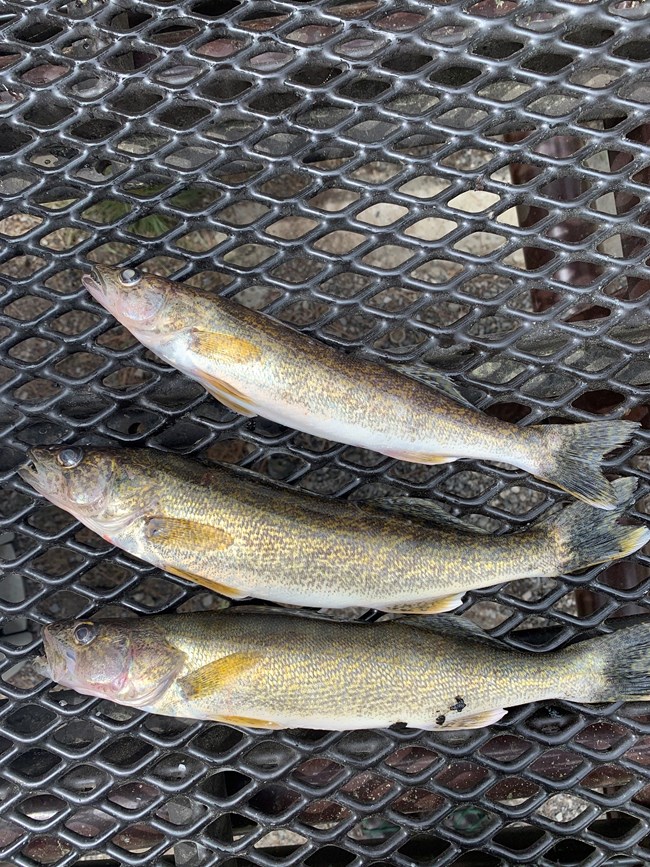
<point x="429" y="606"/>
<point x="227" y="395"/>
<point x="219" y="345"/>
<point x="210" y="678"/>
<point x="166" y="532"/>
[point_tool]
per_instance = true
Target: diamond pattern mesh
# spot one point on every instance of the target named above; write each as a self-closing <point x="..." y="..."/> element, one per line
<point x="461" y="182"/>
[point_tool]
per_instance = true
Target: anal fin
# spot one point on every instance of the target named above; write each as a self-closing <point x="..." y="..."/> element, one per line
<point x="428" y="606"/>
<point x="210" y="678"/>
<point x="454" y="722"/>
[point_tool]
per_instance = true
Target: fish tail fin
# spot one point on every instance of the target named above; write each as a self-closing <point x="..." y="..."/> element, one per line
<point x="585" y="536"/>
<point x="615" y="667"/>
<point x="574" y="454"/>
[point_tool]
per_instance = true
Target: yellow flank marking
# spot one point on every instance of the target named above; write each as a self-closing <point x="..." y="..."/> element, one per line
<point x="217" y="344"/>
<point x="179" y="532"/>
<point x="222" y="589"/>
<point x="227" y="395"/>
<point x="210" y="678"/>
<point x="420" y="457"/>
<point x="429" y="606"/>
<point x="249" y="723"/>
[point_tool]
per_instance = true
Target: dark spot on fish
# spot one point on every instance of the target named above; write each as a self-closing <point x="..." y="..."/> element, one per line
<point x="459" y="705"/>
<point x="440" y="720"/>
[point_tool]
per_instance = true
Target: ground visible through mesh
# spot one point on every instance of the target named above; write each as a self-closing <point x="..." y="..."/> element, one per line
<point x="463" y="183"/>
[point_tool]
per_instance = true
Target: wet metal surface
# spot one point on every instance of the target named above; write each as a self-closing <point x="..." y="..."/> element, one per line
<point x="462" y="182"/>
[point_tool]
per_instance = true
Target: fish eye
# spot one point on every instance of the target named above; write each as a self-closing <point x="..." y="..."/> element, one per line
<point x="70" y="458"/>
<point x="130" y="277"/>
<point x="84" y="633"/>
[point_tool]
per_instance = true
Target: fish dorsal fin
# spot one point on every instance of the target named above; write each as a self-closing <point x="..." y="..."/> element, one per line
<point x="424" y="510"/>
<point x="210" y="678"/>
<point x="425" y="374"/>
<point x="296" y="613"/>
<point x="448" y="625"/>
<point x="261" y="479"/>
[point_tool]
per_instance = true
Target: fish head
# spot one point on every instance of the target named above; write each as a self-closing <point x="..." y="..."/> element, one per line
<point x="95" y="485"/>
<point x="128" y="661"/>
<point x="139" y="301"/>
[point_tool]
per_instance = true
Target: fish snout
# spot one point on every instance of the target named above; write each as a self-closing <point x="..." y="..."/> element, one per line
<point x="60" y="658"/>
<point x="30" y="470"/>
<point x="41" y="666"/>
<point x="95" y="283"/>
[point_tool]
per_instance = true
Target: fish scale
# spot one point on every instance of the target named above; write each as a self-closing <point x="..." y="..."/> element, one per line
<point x="242" y="536"/>
<point x="256" y="365"/>
<point x="278" y="670"/>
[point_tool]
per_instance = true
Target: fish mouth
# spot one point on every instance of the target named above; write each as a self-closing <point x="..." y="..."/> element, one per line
<point x="95" y="285"/>
<point x="29" y="472"/>
<point x="41" y="666"/>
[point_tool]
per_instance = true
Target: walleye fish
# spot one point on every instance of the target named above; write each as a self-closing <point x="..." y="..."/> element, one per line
<point x="271" y="671"/>
<point x="255" y="365"/>
<point x="242" y="535"/>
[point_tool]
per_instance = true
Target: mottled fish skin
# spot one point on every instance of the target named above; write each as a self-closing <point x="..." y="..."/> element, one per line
<point x="241" y="536"/>
<point x="257" y="365"/>
<point x="271" y="670"/>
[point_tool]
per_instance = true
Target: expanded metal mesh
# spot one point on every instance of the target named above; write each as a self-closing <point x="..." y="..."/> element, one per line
<point x="462" y="182"/>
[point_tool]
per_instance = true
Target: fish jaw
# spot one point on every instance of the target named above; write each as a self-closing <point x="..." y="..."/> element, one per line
<point x="94" y="287"/>
<point x="41" y="666"/>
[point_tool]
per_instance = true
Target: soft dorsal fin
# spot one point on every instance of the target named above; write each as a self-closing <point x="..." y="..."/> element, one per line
<point x="425" y="374"/>
<point x="451" y="626"/>
<point x="424" y="510"/>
